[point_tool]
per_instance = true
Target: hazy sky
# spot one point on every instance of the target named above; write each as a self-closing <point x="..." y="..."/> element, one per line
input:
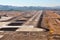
<point x="31" y="2"/>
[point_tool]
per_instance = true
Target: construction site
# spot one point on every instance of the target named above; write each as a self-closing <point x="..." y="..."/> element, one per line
<point x="30" y="25"/>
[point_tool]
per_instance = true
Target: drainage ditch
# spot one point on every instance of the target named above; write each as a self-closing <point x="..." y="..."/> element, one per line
<point x="8" y="29"/>
<point x="17" y="23"/>
<point x="40" y="22"/>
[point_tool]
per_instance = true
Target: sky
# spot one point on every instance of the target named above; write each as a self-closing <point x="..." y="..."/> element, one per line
<point x="46" y="3"/>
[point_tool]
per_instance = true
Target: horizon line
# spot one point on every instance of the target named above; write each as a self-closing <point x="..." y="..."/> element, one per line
<point x="27" y="6"/>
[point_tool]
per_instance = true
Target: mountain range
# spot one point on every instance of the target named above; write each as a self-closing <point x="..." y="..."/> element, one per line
<point x="6" y="7"/>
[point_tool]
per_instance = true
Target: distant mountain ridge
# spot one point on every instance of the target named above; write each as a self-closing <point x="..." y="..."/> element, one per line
<point x="6" y="7"/>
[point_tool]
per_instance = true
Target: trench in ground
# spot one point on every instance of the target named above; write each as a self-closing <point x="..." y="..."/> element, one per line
<point x="40" y="22"/>
<point x="17" y="23"/>
<point x="8" y="29"/>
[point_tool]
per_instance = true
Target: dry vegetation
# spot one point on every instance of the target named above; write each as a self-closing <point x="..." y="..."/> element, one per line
<point x="51" y="20"/>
